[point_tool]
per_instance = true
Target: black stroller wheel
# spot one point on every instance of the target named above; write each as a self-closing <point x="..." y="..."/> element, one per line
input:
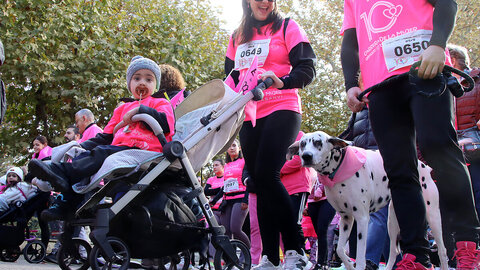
<point x="35" y="251"/>
<point x="222" y="262"/>
<point x="10" y="254"/>
<point x="122" y="254"/>
<point x="74" y="255"/>
<point x="180" y="261"/>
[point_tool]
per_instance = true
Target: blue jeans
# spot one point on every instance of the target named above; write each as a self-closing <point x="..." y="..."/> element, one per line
<point x="378" y="243"/>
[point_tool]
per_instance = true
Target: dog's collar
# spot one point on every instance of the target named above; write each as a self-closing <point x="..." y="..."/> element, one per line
<point x="331" y="175"/>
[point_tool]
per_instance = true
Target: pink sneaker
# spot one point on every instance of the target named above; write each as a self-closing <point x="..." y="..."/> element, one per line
<point x="467" y="256"/>
<point x="408" y="263"/>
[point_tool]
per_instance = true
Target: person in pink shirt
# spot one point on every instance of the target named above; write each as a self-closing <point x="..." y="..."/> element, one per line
<point x="214" y="186"/>
<point x="285" y="55"/>
<point x="143" y="77"/>
<point x="85" y="121"/>
<point x="382" y="39"/>
<point x="41" y="150"/>
<point x="234" y="208"/>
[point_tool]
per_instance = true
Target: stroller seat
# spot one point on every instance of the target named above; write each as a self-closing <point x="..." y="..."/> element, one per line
<point x="120" y="164"/>
<point x="201" y="103"/>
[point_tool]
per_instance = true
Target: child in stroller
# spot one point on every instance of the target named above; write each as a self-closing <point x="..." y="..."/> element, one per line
<point x="15" y="190"/>
<point x="143" y="77"/>
<point x="156" y="216"/>
<point x="19" y="202"/>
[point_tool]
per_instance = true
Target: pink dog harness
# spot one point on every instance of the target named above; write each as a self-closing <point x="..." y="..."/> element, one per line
<point x="353" y="160"/>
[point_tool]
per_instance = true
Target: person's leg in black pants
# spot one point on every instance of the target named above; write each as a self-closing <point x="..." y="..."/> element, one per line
<point x="297" y="206"/>
<point x="264" y="147"/>
<point x="394" y="129"/>
<point x="321" y="213"/>
<point x="437" y="141"/>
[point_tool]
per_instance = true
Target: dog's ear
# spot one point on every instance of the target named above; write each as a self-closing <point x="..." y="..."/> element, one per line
<point x="293" y="150"/>
<point x="337" y="142"/>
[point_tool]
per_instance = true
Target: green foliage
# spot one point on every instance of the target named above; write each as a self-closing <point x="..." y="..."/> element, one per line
<point x="323" y="101"/>
<point x="66" y="55"/>
<point x="467" y="29"/>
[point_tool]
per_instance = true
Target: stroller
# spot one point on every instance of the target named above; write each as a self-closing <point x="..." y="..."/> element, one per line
<point x="14" y="230"/>
<point x="159" y="209"/>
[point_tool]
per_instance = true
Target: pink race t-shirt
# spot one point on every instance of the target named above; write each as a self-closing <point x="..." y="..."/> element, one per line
<point x="272" y="51"/>
<point x="90" y="132"/>
<point x="216" y="182"/>
<point x="136" y="134"/>
<point x="232" y="176"/>
<point x="295" y="177"/>
<point x="391" y="35"/>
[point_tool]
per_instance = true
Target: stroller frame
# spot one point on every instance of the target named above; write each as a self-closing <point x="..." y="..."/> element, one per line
<point x="172" y="151"/>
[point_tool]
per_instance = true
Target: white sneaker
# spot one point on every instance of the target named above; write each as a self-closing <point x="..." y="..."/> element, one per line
<point x="265" y="264"/>
<point x="295" y="261"/>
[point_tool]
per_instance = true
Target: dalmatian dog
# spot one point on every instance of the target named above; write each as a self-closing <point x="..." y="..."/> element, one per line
<point x="356" y="185"/>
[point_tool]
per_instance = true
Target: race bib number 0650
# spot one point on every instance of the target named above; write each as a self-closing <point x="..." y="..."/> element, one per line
<point x="404" y="50"/>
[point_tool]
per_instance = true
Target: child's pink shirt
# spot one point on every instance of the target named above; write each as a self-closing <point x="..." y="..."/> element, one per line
<point x="136" y="134"/>
<point x="232" y="175"/>
<point x="90" y="132"/>
<point x="385" y="25"/>
<point x="273" y="57"/>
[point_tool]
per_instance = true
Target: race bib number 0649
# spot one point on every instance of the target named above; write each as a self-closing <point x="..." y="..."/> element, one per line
<point x="404" y="50"/>
<point x="247" y="51"/>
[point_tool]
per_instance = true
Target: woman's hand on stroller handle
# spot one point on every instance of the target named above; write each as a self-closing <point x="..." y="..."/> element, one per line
<point x="258" y="90"/>
<point x="276" y="82"/>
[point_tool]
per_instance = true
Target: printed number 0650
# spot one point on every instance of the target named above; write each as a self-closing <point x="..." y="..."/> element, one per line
<point x="409" y="48"/>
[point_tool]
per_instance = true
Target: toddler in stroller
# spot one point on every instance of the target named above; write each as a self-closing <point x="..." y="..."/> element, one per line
<point x="157" y="214"/>
<point x="143" y="78"/>
<point x="18" y="203"/>
<point x="15" y="190"/>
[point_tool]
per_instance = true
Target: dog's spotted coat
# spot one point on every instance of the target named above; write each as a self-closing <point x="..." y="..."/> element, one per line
<point x="365" y="192"/>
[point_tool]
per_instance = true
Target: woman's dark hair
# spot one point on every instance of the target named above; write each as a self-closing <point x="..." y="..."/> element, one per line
<point x="42" y="139"/>
<point x="221" y="160"/>
<point x="227" y="156"/>
<point x="248" y="23"/>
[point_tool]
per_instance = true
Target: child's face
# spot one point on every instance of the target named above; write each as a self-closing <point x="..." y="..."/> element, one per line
<point x="143" y="83"/>
<point x="37" y="146"/>
<point x="12" y="178"/>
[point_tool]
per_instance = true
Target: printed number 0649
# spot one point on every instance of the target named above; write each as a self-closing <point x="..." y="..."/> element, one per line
<point x="247" y="53"/>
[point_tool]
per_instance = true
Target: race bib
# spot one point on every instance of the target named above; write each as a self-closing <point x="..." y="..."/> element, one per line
<point x="404" y="50"/>
<point x="247" y="51"/>
<point x="230" y="185"/>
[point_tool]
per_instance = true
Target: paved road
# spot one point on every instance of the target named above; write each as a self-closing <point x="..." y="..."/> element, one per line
<point x="21" y="264"/>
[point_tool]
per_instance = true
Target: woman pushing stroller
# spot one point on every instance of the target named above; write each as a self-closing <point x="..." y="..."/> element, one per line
<point x="143" y="78"/>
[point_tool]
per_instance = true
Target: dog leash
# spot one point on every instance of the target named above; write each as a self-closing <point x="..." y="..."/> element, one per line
<point x="450" y="82"/>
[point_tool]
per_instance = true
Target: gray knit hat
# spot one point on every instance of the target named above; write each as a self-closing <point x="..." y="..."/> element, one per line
<point x="2" y="54"/>
<point x="139" y="62"/>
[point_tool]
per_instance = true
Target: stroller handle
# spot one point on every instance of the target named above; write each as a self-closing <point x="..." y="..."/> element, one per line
<point x="153" y="124"/>
<point x="258" y="90"/>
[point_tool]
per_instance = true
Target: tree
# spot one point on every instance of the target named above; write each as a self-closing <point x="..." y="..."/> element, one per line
<point x="66" y="55"/>
<point x="323" y="101"/>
